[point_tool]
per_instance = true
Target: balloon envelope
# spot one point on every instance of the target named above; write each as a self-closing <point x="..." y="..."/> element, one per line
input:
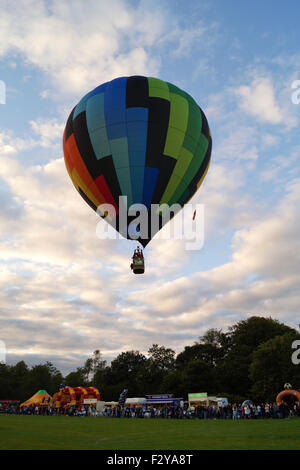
<point x="138" y="137"/>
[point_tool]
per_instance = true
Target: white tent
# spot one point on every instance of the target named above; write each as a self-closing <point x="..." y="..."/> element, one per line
<point x="135" y="401"/>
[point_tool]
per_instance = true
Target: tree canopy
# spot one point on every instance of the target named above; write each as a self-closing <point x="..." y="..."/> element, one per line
<point x="252" y="360"/>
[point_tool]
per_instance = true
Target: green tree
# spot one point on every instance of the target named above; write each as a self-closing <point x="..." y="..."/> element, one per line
<point x="272" y="367"/>
<point x="123" y="373"/>
<point x="151" y="376"/>
<point x="162" y="357"/>
<point x="174" y="382"/>
<point x="211" y="348"/>
<point x="87" y="370"/>
<point x="43" y="376"/>
<point x="56" y="378"/>
<point x="99" y="364"/>
<point x="91" y="366"/>
<point x="20" y="374"/>
<point x="239" y="364"/>
<point x="198" y="376"/>
<point x="243" y="339"/>
<point x="76" y="378"/>
<point x="7" y="389"/>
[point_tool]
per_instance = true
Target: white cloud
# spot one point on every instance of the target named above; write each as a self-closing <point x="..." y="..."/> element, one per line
<point x="262" y="278"/>
<point x="57" y="269"/>
<point x="10" y="145"/>
<point x="81" y="44"/>
<point x="49" y="130"/>
<point x="258" y="99"/>
<point x="281" y="168"/>
<point x="239" y="143"/>
<point x="270" y="140"/>
<point x="64" y="292"/>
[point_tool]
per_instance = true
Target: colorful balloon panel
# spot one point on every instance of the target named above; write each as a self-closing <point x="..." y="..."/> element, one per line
<point x="138" y="137"/>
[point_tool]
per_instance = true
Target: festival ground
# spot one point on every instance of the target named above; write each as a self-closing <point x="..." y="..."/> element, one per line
<point x="51" y="432"/>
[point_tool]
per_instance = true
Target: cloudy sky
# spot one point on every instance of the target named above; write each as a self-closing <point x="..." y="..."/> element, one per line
<point x="63" y="291"/>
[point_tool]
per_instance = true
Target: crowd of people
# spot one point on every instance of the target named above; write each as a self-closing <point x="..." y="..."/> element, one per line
<point x="235" y="411"/>
<point x="48" y="410"/>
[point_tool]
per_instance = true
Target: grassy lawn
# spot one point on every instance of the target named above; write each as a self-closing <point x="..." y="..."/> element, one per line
<point x="50" y="432"/>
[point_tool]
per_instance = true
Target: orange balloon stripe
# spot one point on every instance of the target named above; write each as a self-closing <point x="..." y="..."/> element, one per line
<point x="82" y="170"/>
<point x="68" y="160"/>
<point x="79" y="183"/>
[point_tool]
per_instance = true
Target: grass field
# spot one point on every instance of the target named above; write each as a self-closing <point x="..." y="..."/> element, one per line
<point x="50" y="432"/>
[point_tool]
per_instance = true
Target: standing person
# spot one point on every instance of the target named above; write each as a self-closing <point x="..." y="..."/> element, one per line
<point x="275" y="411"/>
<point x="258" y="408"/>
<point x="286" y="410"/>
<point x="267" y="410"/>
<point x="281" y="410"/>
<point x="234" y="411"/>
<point x="247" y="412"/>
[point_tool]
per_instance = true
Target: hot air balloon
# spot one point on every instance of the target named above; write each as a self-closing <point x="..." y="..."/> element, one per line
<point x="136" y="140"/>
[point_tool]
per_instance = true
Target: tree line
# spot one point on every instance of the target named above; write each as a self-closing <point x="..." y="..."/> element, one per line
<point x="252" y="360"/>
